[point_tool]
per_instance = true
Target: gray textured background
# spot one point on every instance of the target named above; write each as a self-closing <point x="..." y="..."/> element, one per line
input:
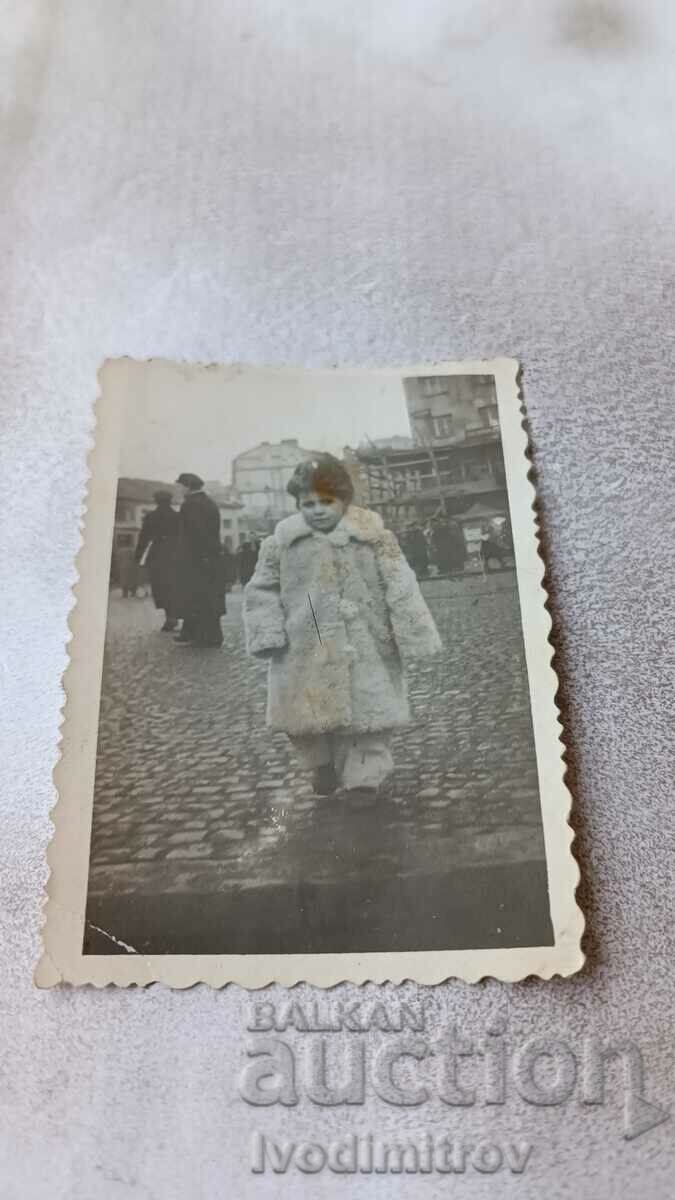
<point x="355" y="183"/>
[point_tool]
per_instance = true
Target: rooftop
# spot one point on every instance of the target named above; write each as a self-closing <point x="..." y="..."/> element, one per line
<point x="278" y="449"/>
<point x="377" y="454"/>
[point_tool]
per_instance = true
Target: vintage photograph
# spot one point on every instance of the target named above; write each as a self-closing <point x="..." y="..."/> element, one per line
<point x="314" y="713"/>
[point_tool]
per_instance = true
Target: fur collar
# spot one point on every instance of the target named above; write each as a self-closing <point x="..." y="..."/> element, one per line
<point x="357" y="524"/>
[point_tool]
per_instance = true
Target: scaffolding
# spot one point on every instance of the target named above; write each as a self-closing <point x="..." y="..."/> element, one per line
<point x="404" y="484"/>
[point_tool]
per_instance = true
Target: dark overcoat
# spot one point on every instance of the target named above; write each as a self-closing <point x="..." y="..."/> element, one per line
<point x="229" y="567"/>
<point x="200" y="582"/>
<point x="160" y="534"/>
<point x="414" y="546"/>
<point x="247" y="557"/>
<point x="448" y="545"/>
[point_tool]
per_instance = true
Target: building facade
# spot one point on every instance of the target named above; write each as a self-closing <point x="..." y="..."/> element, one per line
<point x="233" y="521"/>
<point x="446" y="409"/>
<point x="260" y="476"/>
<point x="454" y="462"/>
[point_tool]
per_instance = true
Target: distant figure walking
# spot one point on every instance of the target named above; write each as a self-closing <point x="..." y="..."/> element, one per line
<point x="247" y="557"/>
<point x="448" y="546"/>
<point x="489" y="549"/>
<point x="160" y="534"/>
<point x="229" y="566"/>
<point x="200" y="588"/>
<point x="127" y="571"/>
<point x="414" y="546"/>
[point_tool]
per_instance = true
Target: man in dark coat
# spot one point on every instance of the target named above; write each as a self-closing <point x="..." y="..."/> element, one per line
<point x="448" y="545"/>
<point x="414" y="546"/>
<point x="229" y="567"/>
<point x="160" y="533"/>
<point x="200" y="584"/>
<point x="490" y="548"/>
<point x="247" y="557"/>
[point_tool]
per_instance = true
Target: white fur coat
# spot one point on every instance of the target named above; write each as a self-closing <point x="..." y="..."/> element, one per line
<point x="339" y="615"/>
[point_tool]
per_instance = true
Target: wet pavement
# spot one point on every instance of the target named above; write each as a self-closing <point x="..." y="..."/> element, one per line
<point x="200" y="809"/>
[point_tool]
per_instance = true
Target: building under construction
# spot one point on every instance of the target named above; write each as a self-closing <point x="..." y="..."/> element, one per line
<point x="454" y="466"/>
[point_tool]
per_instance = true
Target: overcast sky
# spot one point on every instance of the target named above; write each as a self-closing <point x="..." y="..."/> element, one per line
<point x="196" y="419"/>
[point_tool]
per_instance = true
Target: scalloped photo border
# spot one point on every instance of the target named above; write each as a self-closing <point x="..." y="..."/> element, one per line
<point x="62" y="960"/>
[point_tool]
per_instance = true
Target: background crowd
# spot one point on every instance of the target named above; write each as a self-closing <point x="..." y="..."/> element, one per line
<point x="180" y="556"/>
<point x="440" y="548"/>
<point x="188" y="567"/>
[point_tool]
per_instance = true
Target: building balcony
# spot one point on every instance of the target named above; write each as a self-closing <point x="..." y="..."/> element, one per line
<point x="451" y="491"/>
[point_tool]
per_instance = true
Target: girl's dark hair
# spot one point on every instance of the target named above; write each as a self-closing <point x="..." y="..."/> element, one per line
<point x="324" y="474"/>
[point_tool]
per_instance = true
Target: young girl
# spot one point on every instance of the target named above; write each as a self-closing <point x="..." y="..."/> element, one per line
<point x="338" y="612"/>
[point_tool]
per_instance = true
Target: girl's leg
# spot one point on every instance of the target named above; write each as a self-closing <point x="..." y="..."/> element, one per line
<point x="313" y="750"/>
<point x="363" y="761"/>
<point x="316" y="755"/>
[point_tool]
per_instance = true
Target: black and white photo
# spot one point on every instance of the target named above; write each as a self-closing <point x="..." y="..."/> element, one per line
<point x="326" y="743"/>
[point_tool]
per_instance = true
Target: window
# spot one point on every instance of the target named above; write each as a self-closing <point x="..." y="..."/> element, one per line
<point x="434" y="385"/>
<point x="227" y="523"/>
<point x="489" y="415"/>
<point x="443" y="426"/>
<point x="423" y="427"/>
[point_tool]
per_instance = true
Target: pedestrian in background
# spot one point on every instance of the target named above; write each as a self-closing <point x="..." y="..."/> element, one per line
<point x="447" y="545"/>
<point x="114" y="569"/>
<point x="127" y="571"/>
<point x="338" y="612"/>
<point x="247" y="557"/>
<point x="158" y="541"/>
<point x="229" y="568"/>
<point x="414" y="546"/>
<point x="200" y="590"/>
<point x="489" y="549"/>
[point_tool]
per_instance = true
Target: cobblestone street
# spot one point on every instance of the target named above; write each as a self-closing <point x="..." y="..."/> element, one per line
<point x="195" y="797"/>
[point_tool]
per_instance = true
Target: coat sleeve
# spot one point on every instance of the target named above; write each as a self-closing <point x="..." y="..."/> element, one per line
<point x="263" y="613"/>
<point x="414" y="628"/>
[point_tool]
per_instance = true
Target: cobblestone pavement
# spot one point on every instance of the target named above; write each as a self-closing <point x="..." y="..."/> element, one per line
<point x="194" y="794"/>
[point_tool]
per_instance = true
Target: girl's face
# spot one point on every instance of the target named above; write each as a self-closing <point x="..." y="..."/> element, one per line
<point x="320" y="510"/>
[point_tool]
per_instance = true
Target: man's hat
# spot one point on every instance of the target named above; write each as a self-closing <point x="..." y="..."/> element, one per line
<point x="190" y="481"/>
<point x="162" y="494"/>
